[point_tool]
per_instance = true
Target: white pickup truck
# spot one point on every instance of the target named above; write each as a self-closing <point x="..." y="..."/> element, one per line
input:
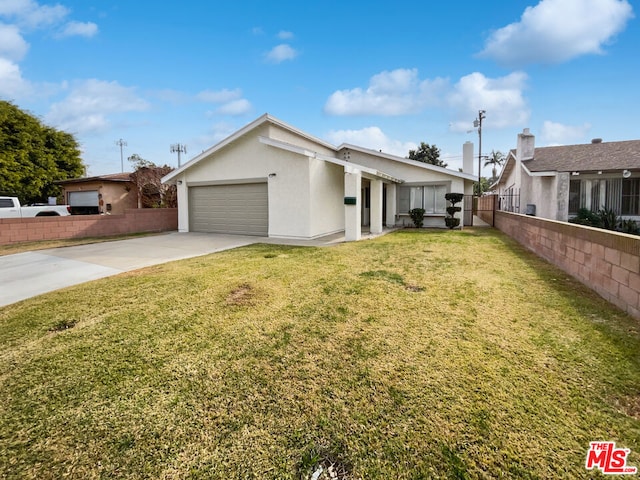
<point x="10" y="208"/>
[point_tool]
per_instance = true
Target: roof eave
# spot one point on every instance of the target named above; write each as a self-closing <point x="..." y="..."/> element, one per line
<point x="265" y="118"/>
<point x="396" y="158"/>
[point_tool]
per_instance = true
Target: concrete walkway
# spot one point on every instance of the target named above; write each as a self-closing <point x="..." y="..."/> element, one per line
<point x="25" y="275"/>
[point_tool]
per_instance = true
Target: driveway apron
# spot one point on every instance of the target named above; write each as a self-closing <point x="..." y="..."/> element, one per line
<point x="28" y="274"/>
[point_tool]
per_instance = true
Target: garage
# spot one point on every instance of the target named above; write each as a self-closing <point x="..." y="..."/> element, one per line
<point x="241" y="209"/>
<point x="84" y="202"/>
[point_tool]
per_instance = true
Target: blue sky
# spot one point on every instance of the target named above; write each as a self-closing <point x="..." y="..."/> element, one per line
<point x="383" y="75"/>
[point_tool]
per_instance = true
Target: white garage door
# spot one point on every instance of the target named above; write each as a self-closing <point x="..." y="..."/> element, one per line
<point x="238" y="209"/>
<point x="87" y="198"/>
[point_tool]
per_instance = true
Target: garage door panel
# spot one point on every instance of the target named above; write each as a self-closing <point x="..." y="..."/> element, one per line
<point x="239" y="209"/>
<point x="86" y="198"/>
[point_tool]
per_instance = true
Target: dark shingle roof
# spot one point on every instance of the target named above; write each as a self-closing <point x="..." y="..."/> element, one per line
<point x="112" y="177"/>
<point x="586" y="157"/>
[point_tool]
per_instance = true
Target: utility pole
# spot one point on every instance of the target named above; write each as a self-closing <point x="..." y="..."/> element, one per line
<point x="478" y="124"/>
<point x="178" y="148"/>
<point x="121" y="143"/>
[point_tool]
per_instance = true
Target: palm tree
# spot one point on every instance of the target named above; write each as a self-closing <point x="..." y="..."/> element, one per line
<point x="496" y="159"/>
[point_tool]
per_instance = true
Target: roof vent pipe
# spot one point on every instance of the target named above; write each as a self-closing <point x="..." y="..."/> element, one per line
<point x="596" y="140"/>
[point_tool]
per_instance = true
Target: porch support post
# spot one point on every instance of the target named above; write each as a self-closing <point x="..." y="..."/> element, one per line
<point x="183" y="205"/>
<point x="376" y="206"/>
<point x="352" y="215"/>
<point x="391" y="205"/>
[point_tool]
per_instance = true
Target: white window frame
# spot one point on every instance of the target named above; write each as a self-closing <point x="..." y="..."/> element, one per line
<point x="416" y="196"/>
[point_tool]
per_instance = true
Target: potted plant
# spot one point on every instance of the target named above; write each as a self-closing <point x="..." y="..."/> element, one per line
<point x="451" y="221"/>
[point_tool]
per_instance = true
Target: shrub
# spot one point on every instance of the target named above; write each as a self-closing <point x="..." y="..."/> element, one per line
<point x="451" y="221"/>
<point x="417" y="215"/>
<point x="587" y="217"/>
<point x="629" y="226"/>
<point x="608" y="219"/>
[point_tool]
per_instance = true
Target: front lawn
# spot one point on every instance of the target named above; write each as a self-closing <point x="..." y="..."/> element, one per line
<point x="436" y="354"/>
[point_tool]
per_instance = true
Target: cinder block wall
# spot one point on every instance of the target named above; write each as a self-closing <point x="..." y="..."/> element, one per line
<point x="606" y="261"/>
<point x="14" y="230"/>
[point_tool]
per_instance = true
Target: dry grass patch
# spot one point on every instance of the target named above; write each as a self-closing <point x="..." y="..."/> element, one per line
<point x="66" y="242"/>
<point x="271" y="361"/>
<point x="242" y="295"/>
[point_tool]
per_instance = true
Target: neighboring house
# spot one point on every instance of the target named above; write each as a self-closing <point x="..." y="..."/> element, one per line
<point x="271" y="179"/>
<point x="554" y="182"/>
<point x="106" y="194"/>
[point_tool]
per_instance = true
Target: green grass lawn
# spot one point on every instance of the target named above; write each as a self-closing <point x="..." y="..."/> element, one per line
<point x="436" y="354"/>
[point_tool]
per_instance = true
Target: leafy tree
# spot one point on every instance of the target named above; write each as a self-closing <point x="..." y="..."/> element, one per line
<point x="496" y="159"/>
<point x="427" y="154"/>
<point x="152" y="193"/>
<point x="33" y="156"/>
<point x="484" y="186"/>
<point x="138" y="162"/>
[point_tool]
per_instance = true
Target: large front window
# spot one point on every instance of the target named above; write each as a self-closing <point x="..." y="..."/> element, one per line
<point x="622" y="195"/>
<point x="429" y="197"/>
<point x="631" y="196"/>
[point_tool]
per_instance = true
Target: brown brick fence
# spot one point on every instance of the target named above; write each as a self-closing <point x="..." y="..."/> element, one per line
<point x="608" y="262"/>
<point x="13" y="230"/>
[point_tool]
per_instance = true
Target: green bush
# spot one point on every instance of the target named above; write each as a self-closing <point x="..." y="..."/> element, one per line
<point x="629" y="226"/>
<point x="451" y="221"/>
<point x="417" y="215"/>
<point x="587" y="217"/>
<point x="608" y="219"/>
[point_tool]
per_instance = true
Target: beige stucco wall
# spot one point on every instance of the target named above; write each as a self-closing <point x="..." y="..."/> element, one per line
<point x="418" y="176"/>
<point x="549" y="193"/>
<point x="115" y="193"/>
<point x="305" y="194"/>
<point x="327" y="197"/>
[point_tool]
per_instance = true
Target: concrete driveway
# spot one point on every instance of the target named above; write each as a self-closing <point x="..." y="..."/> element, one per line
<point x="28" y="274"/>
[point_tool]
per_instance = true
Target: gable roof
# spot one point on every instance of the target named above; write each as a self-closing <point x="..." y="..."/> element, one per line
<point x="266" y="118"/>
<point x="586" y="157"/>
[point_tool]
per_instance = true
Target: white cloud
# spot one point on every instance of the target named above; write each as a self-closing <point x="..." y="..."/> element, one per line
<point x="555" y="31"/>
<point x="373" y="138"/>
<point x="219" y="96"/>
<point x="80" y="29"/>
<point x="12" y="84"/>
<point x="90" y="103"/>
<point x="560" y="134"/>
<point x="12" y="45"/>
<point x="402" y="92"/>
<point x="280" y="53"/>
<point x="231" y="101"/>
<point x="284" y="35"/>
<point x="236" y="107"/>
<point x="30" y="14"/>
<point x="502" y="98"/>
<point x="395" y="92"/>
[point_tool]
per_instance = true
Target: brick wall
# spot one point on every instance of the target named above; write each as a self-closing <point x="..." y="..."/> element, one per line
<point x="608" y="262"/>
<point x="13" y="230"/>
